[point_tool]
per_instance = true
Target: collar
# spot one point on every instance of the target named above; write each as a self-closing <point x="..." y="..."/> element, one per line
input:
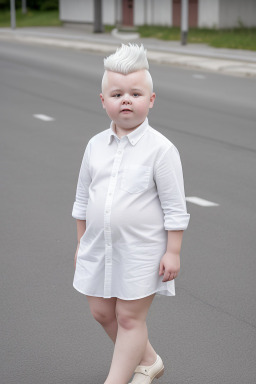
<point x="133" y="137"/>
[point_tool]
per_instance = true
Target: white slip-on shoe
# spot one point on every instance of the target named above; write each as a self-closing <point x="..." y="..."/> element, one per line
<point x="145" y="374"/>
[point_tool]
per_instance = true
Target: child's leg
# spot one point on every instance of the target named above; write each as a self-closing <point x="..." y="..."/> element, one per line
<point x="131" y="340"/>
<point x="104" y="311"/>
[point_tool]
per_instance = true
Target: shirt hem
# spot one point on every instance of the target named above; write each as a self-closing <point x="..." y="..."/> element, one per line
<point x="125" y="298"/>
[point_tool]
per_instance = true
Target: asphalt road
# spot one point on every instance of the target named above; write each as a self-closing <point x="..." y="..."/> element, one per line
<point x="206" y="334"/>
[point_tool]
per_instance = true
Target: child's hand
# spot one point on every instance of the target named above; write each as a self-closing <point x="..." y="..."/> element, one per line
<point x="169" y="266"/>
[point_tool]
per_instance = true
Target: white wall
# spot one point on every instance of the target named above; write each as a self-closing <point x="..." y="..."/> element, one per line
<point x="232" y="12"/>
<point x="157" y="12"/>
<point x="163" y="14"/>
<point x="211" y="13"/>
<point x="118" y="11"/>
<point x="109" y="11"/>
<point x="83" y="11"/>
<point x="208" y="13"/>
<point x="138" y="15"/>
<point x="76" y="11"/>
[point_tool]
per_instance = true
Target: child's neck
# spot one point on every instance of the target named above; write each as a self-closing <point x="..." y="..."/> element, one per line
<point x="122" y="132"/>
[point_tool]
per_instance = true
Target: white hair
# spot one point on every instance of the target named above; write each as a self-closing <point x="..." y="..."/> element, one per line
<point x="127" y="59"/>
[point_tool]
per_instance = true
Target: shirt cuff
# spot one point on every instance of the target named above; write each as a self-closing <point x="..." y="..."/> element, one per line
<point x="177" y="222"/>
<point x="79" y="211"/>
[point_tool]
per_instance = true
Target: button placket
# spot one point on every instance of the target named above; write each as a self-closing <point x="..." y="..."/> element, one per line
<point x="107" y="226"/>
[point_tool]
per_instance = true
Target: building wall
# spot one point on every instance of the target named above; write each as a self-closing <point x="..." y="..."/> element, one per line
<point x="109" y="11"/>
<point x="140" y="11"/>
<point x="157" y="12"/>
<point x="208" y="13"/>
<point x="211" y="13"/>
<point x="76" y="11"/>
<point x="234" y="13"/>
<point x="83" y="11"/>
<point x="162" y="14"/>
<point x="118" y="11"/>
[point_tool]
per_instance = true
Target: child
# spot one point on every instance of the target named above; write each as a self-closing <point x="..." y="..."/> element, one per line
<point x="131" y="213"/>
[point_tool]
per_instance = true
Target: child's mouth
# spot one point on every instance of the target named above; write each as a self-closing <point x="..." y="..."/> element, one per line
<point x="126" y="110"/>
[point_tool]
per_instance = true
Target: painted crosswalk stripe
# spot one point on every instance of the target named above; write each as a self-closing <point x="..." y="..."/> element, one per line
<point x="44" y="117"/>
<point x="201" y="202"/>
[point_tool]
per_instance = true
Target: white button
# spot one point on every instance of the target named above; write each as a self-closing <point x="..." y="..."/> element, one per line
<point x="109" y="245"/>
<point x="119" y="152"/>
<point x="114" y="175"/>
<point x="110" y="193"/>
<point x="107" y="211"/>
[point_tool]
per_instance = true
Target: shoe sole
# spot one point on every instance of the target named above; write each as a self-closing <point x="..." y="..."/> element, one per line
<point x="159" y="374"/>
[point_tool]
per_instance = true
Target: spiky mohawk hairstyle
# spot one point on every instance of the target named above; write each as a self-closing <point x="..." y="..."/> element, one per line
<point x="127" y="59"/>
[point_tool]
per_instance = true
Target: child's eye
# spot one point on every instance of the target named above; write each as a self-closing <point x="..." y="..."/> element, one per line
<point x="136" y="94"/>
<point x="117" y="95"/>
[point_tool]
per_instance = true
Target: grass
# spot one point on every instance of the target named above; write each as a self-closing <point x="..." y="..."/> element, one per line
<point x="31" y="18"/>
<point x="236" y="38"/>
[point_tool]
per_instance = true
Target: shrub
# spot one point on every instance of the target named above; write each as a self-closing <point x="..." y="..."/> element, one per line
<point x="49" y="5"/>
<point x="43" y="5"/>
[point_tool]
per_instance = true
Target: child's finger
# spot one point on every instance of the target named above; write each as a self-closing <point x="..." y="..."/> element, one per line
<point x="166" y="276"/>
<point x="161" y="268"/>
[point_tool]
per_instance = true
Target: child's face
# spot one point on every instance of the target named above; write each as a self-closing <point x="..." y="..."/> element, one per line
<point x="127" y="98"/>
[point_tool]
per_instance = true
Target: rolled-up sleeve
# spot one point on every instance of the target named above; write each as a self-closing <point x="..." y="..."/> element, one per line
<point x="170" y="187"/>
<point x="82" y="190"/>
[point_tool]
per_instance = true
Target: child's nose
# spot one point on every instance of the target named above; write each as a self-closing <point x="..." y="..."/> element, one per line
<point x="126" y="99"/>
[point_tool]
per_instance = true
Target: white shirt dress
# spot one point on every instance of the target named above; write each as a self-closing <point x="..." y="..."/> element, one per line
<point x="130" y="191"/>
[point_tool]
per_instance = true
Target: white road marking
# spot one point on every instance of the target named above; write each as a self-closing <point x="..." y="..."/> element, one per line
<point x="198" y="76"/>
<point x="202" y="202"/>
<point x="44" y="117"/>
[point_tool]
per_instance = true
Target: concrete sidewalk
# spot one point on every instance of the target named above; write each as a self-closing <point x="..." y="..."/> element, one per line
<point x="195" y="56"/>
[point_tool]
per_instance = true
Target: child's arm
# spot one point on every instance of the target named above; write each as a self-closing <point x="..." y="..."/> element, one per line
<point x="82" y="196"/>
<point x="82" y="190"/>
<point x="170" y="187"/>
<point x="81" y="228"/>
<point x="170" y="262"/>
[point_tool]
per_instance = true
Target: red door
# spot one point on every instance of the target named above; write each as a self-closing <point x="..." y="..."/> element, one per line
<point x="128" y="12"/>
<point x="176" y="13"/>
<point x="192" y="15"/>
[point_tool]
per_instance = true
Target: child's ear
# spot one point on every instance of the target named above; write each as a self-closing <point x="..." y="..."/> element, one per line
<point x="102" y="100"/>
<point x="152" y="100"/>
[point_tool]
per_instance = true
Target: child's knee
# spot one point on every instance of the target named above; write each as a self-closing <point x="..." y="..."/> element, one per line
<point x="103" y="317"/>
<point x="103" y="311"/>
<point x="132" y="314"/>
<point x="128" y="320"/>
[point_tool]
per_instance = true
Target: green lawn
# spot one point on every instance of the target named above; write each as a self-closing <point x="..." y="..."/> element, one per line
<point x="237" y="38"/>
<point x="31" y="18"/>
